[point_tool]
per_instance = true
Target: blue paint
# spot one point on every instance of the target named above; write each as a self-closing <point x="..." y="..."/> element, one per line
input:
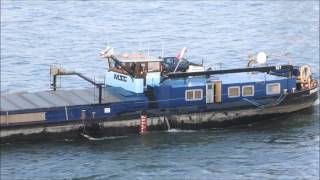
<point x="59" y="114"/>
<point x="172" y="92"/>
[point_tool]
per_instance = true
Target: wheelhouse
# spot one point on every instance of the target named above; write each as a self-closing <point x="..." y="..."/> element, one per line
<point x="133" y="72"/>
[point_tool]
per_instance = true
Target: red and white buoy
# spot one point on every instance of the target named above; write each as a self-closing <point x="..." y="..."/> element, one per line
<point x="143" y="124"/>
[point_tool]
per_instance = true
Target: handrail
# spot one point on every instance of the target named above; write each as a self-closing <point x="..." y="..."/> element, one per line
<point x="61" y="72"/>
<point x="227" y="71"/>
<point x="280" y="99"/>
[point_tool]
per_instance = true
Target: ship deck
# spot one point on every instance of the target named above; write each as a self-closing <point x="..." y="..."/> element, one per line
<point x="61" y="98"/>
<point x="234" y="78"/>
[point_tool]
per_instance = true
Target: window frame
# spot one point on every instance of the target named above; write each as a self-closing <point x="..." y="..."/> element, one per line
<point x="156" y="65"/>
<point x="186" y="95"/>
<point x="267" y="89"/>
<point x="239" y="93"/>
<point x="193" y="94"/>
<point x="245" y="86"/>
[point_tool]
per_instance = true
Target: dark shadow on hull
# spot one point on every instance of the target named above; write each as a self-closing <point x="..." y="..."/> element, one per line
<point x="98" y="131"/>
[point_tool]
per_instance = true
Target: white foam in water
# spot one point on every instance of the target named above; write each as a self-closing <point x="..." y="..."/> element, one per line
<point x="102" y="138"/>
<point x="67" y="140"/>
<point x="179" y="130"/>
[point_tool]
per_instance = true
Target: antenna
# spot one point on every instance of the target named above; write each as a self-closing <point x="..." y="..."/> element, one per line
<point x="108" y="37"/>
<point x="60" y="76"/>
<point x="148" y="50"/>
<point x="162" y="50"/>
<point x="50" y="76"/>
<point x="139" y="48"/>
<point x="94" y="89"/>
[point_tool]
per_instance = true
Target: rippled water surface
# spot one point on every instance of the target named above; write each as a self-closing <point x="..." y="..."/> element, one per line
<point x="36" y="34"/>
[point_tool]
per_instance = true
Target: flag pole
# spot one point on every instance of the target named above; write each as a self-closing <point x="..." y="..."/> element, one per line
<point x="182" y="52"/>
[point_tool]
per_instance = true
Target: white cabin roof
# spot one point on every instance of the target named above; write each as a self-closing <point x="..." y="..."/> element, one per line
<point x="127" y="58"/>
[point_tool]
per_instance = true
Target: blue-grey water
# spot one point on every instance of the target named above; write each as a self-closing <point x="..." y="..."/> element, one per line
<point x="36" y="34"/>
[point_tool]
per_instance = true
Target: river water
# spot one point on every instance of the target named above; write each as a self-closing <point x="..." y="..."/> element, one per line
<point x="36" y="34"/>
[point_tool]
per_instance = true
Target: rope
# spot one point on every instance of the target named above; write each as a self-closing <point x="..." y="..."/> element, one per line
<point x="84" y="127"/>
<point x="280" y="99"/>
<point x="252" y="102"/>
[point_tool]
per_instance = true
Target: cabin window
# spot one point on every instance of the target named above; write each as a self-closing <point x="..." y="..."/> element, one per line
<point x="248" y="90"/>
<point x="193" y="94"/>
<point x="189" y="95"/>
<point x="273" y="88"/>
<point x="111" y="64"/>
<point x="153" y="66"/>
<point x="198" y="94"/>
<point x="169" y="60"/>
<point x="233" y="91"/>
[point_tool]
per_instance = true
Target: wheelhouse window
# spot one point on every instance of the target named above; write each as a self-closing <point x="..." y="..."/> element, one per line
<point x="234" y="91"/>
<point x="273" y="88"/>
<point x="136" y="65"/>
<point x="248" y="90"/>
<point x="193" y="94"/>
<point x="154" y="67"/>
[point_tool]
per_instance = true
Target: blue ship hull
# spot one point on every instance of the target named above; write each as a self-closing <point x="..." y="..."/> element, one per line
<point x="183" y="117"/>
<point x="185" y="101"/>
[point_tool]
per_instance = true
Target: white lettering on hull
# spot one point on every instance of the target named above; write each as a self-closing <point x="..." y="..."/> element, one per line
<point x="124" y="81"/>
<point x="107" y="110"/>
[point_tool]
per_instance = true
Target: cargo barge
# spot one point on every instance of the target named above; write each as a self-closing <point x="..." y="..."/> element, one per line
<point x="142" y="93"/>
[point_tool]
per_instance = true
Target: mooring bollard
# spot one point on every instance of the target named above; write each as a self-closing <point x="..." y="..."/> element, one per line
<point x="143" y="124"/>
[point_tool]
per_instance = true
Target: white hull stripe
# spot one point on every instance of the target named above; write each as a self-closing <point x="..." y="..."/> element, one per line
<point x="314" y="90"/>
